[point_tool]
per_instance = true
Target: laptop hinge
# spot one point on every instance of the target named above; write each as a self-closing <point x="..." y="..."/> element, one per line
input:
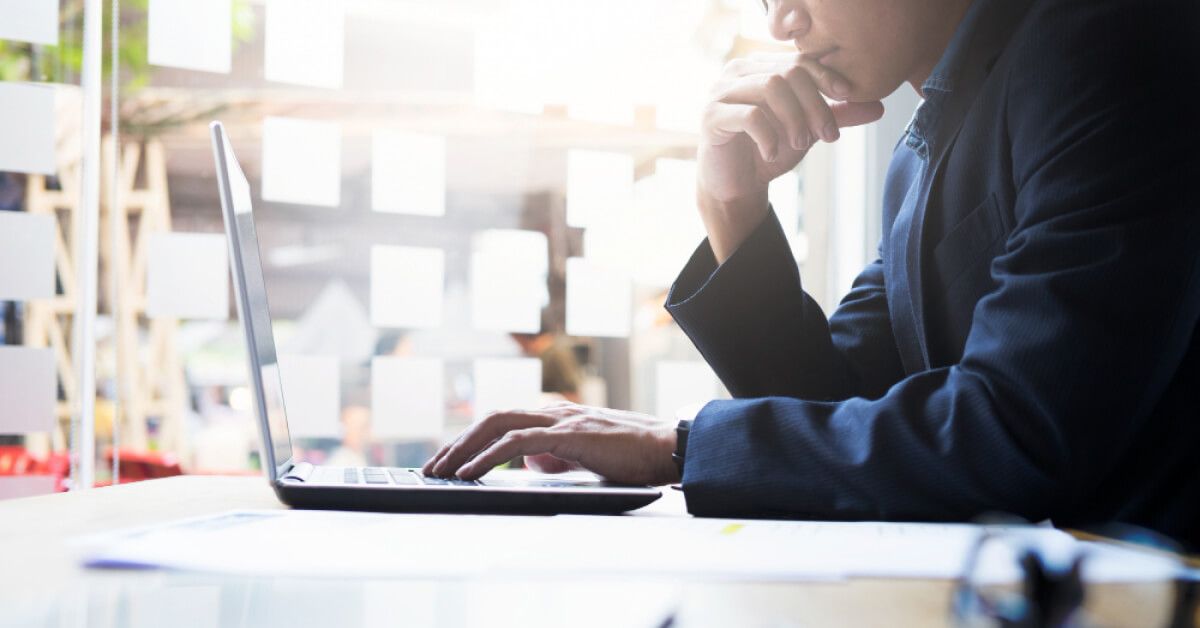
<point x="298" y="473"/>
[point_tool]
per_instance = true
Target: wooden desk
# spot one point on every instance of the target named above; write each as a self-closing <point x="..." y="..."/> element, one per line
<point x="41" y="583"/>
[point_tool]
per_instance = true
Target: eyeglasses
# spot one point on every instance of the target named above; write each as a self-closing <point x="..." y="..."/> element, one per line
<point x="1053" y="580"/>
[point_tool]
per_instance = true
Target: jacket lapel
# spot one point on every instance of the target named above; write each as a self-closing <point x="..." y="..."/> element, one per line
<point x="981" y="39"/>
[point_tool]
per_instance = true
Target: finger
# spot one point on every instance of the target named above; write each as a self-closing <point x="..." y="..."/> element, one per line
<point x="820" y="118"/>
<point x="828" y="81"/>
<point x="483" y="433"/>
<point x="761" y="63"/>
<point x="428" y="468"/>
<point x="549" y="463"/>
<point x="516" y="443"/>
<point x="775" y="92"/>
<point x="856" y="113"/>
<point x="726" y="121"/>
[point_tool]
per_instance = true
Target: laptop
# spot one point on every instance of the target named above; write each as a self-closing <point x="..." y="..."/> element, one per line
<point x="303" y="485"/>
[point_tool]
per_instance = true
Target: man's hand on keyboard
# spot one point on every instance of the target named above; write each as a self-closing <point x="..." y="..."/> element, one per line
<point x="621" y="446"/>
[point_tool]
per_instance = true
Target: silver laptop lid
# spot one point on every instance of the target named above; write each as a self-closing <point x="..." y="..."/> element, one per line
<point x="253" y="309"/>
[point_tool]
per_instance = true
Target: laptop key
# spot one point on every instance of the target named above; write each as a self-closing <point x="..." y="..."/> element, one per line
<point x="373" y="475"/>
<point x="350" y="476"/>
<point x="404" y="477"/>
<point x="448" y="481"/>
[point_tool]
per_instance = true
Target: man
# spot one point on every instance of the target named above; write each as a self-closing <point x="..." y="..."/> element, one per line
<point x="1026" y="341"/>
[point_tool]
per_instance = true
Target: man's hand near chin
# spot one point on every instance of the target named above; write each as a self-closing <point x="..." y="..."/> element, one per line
<point x="765" y="113"/>
<point x="620" y="446"/>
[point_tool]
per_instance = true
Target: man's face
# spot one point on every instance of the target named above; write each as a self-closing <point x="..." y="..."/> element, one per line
<point x="876" y="45"/>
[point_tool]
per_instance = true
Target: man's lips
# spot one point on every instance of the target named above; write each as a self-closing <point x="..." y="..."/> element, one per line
<point x="819" y="56"/>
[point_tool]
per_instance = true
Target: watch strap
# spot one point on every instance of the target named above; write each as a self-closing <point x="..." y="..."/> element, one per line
<point x="682" y="429"/>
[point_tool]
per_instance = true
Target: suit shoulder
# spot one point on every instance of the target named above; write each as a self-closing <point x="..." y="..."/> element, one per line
<point x="1077" y="63"/>
<point x="1115" y="43"/>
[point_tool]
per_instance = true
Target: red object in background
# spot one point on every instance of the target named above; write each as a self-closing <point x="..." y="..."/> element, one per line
<point x="136" y="466"/>
<point x="15" y="460"/>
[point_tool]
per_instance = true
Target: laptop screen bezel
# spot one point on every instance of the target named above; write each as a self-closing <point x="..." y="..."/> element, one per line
<point x="275" y="469"/>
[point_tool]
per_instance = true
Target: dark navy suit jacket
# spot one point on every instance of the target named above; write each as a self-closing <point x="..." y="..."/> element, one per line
<point x="1027" y="340"/>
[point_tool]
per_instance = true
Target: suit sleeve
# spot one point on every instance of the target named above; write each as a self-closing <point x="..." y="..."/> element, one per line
<point x="764" y="335"/>
<point x="1095" y="303"/>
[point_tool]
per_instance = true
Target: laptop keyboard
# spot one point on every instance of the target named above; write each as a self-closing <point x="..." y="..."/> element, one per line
<point x="400" y="477"/>
<point x="392" y="476"/>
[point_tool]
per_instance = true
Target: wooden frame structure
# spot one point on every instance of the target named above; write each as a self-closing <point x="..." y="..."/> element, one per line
<point x="148" y="370"/>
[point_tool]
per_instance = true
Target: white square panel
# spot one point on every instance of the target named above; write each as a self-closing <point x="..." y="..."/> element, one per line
<point x="508" y="280"/>
<point x="599" y="299"/>
<point x="28" y="390"/>
<point x="408" y="173"/>
<point x="680" y="383"/>
<point x="302" y="162"/>
<point x="187" y="276"/>
<point x="26" y="256"/>
<point x="615" y="113"/>
<point x="507" y="384"/>
<point x="304" y="42"/>
<point x="27" y="128"/>
<point x="34" y="21"/>
<point x="598" y="183"/>
<point x="407" y="286"/>
<point x="407" y="397"/>
<point x="311" y="395"/>
<point x="15" y="486"/>
<point x="191" y="34"/>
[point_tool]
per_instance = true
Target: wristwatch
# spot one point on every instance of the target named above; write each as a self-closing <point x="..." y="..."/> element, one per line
<point x="681" y="438"/>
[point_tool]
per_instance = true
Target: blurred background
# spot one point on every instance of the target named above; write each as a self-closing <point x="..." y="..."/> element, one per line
<point x="463" y="206"/>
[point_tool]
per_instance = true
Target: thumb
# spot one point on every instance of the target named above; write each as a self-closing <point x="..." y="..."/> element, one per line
<point x="856" y="113"/>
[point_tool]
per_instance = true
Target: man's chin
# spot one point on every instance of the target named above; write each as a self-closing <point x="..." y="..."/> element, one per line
<point x="872" y="92"/>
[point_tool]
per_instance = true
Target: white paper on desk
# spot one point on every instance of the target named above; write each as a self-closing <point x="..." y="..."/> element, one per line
<point x="34" y="21"/>
<point x="27" y="128"/>
<point x="26" y="256"/>
<point x="934" y="551"/>
<point x="28" y="390"/>
<point x="304" y="42"/>
<point x="363" y="545"/>
<point x="328" y="544"/>
<point x="191" y="35"/>
<point x="389" y="545"/>
<point x="178" y="606"/>
<point x="187" y="276"/>
<point x="302" y="161"/>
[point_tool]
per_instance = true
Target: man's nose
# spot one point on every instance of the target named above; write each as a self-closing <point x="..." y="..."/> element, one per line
<point x="788" y="20"/>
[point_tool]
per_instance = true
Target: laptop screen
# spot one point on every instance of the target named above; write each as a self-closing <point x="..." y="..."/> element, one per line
<point x="255" y="311"/>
